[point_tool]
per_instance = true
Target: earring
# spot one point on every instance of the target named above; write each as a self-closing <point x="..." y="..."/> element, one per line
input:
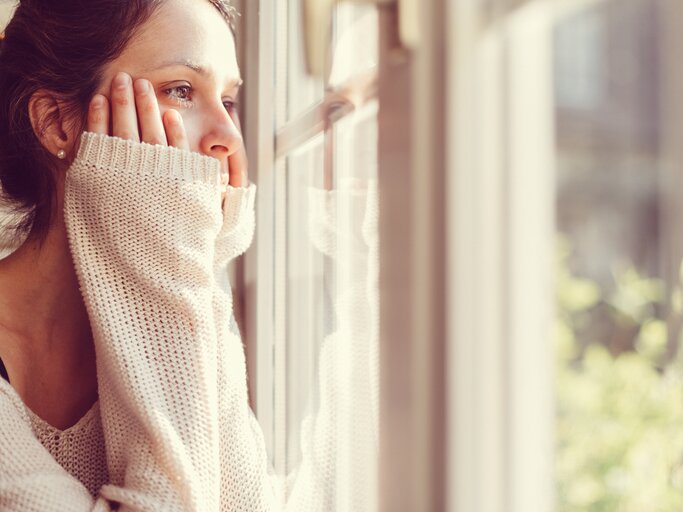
<point x="61" y="154"/>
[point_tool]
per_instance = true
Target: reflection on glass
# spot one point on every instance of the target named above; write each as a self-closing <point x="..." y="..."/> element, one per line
<point x="354" y="52"/>
<point x="332" y="322"/>
<point x="326" y="364"/>
<point x="303" y="91"/>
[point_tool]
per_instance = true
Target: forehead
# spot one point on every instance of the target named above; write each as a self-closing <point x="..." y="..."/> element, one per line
<point x="183" y="30"/>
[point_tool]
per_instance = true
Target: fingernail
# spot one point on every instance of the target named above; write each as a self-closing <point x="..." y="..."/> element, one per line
<point x="141" y="86"/>
<point x="121" y="80"/>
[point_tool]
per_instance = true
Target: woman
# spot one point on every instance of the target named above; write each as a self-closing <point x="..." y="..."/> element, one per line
<point x="118" y="135"/>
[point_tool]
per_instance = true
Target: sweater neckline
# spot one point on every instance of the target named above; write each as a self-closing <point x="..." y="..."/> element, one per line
<point x="43" y="425"/>
<point x="79" y="425"/>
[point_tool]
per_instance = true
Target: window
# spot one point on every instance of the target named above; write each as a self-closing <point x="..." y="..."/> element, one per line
<point x="527" y="177"/>
<point x="311" y="279"/>
<point x="564" y="258"/>
<point x="365" y="147"/>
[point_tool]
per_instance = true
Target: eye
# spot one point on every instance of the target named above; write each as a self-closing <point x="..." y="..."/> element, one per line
<point x="180" y="93"/>
<point x="229" y="105"/>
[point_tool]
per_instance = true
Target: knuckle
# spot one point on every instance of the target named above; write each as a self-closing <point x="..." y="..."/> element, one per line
<point x="121" y="100"/>
<point x="96" y="117"/>
<point x="127" y="134"/>
<point x="149" y="106"/>
<point x="177" y="134"/>
<point x="156" y="140"/>
<point x="177" y="137"/>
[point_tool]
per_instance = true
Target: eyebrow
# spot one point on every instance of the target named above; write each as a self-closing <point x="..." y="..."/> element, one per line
<point x="197" y="68"/>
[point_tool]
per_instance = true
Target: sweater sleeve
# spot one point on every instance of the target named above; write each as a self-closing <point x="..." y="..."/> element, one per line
<point x="247" y="482"/>
<point x="142" y="223"/>
<point x="238" y="225"/>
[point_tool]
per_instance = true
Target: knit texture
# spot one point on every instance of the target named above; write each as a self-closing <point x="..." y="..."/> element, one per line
<point x="172" y="429"/>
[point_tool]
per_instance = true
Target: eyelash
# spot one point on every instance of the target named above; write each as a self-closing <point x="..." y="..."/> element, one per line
<point x="186" y="102"/>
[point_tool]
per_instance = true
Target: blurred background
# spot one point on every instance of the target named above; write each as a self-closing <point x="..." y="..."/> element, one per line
<point x="528" y="297"/>
<point x="618" y="374"/>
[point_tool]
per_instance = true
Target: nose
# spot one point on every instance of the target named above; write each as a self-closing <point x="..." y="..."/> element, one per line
<point x="222" y="138"/>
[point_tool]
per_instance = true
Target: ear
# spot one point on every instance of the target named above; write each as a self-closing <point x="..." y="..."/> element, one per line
<point x="53" y="130"/>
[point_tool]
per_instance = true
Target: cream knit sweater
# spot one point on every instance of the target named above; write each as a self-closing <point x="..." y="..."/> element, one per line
<point x="172" y="429"/>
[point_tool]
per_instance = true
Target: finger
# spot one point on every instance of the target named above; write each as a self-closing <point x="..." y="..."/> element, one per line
<point x="124" y="117"/>
<point x="151" y="126"/>
<point x="98" y="115"/>
<point x="237" y="167"/>
<point x="175" y="130"/>
<point x="237" y="162"/>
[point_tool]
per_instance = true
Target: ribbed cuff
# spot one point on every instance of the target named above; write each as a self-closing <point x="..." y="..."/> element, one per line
<point x="107" y="152"/>
<point x="238" y="204"/>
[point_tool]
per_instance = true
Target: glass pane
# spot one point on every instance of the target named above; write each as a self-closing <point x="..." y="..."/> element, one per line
<point x="307" y="324"/>
<point x="356" y="43"/>
<point x="331" y="316"/>
<point x="354" y="53"/>
<point x="303" y="91"/>
<point x="619" y="380"/>
<point x="325" y="371"/>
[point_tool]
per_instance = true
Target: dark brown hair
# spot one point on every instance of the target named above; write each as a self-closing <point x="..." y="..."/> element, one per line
<point x="63" y="47"/>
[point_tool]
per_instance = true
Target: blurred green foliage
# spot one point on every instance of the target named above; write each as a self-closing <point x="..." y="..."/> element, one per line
<point x="619" y="416"/>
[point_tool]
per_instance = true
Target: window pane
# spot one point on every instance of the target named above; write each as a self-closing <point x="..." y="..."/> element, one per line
<point x="356" y="43"/>
<point x="303" y="91"/>
<point x="325" y="367"/>
<point x="354" y="50"/>
<point x="307" y="295"/>
<point x="331" y="316"/>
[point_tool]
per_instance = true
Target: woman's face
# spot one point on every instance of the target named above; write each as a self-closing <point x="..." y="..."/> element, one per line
<point x="187" y="51"/>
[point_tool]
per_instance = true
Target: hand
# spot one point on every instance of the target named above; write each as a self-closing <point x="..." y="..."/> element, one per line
<point x="237" y="162"/>
<point x="134" y="104"/>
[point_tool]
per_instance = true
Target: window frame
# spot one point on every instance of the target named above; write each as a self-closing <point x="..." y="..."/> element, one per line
<point x="412" y="289"/>
<point x="435" y="454"/>
<point x="270" y="138"/>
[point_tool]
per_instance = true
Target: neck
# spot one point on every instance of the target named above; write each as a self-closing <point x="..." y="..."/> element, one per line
<point x="43" y="319"/>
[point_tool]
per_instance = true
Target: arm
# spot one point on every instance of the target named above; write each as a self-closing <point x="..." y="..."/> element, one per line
<point x="140" y="457"/>
<point x="246" y="481"/>
<point x="142" y="222"/>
